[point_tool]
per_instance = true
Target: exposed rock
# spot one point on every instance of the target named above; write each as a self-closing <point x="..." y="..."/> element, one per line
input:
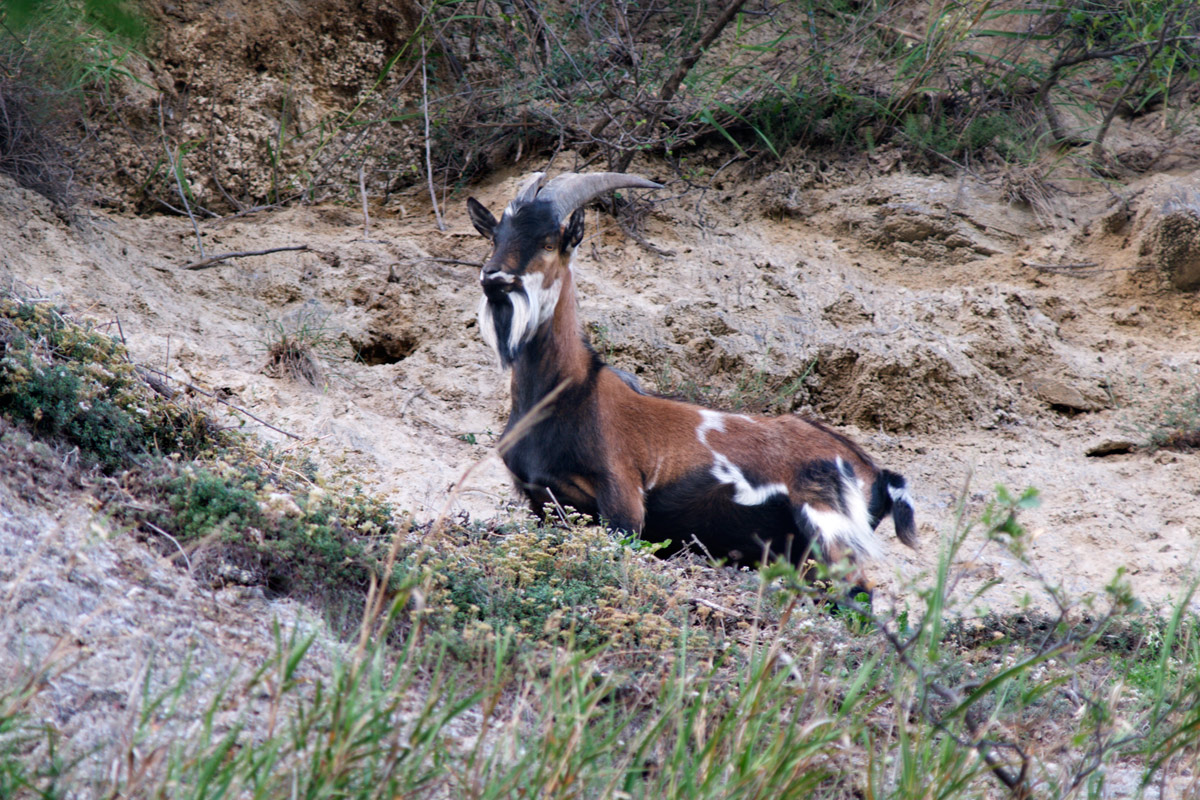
<point x="1176" y="239"/>
<point x="1110" y="447"/>
<point x="1068" y="394"/>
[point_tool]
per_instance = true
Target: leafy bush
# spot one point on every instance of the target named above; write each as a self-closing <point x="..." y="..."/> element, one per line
<point x="573" y="586"/>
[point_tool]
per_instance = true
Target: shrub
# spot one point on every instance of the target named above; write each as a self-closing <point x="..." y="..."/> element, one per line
<point x="75" y="383"/>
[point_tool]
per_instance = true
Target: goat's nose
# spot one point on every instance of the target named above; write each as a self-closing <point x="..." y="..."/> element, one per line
<point x="492" y="275"/>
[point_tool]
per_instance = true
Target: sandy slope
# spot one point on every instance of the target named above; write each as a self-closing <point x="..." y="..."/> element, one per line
<point x="901" y="306"/>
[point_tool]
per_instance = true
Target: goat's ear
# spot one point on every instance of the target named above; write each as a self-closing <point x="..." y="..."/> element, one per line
<point x="573" y="234"/>
<point x="481" y="218"/>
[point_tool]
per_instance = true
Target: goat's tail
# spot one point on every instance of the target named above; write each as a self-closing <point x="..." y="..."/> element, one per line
<point x="889" y="495"/>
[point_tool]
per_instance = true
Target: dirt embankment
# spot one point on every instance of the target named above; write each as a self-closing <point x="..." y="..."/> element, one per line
<point x="945" y="328"/>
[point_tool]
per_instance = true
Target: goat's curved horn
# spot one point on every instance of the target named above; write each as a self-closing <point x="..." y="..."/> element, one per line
<point x="529" y="188"/>
<point x="570" y="191"/>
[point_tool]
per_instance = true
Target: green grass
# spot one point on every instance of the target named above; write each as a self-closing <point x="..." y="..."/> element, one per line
<point x="799" y="706"/>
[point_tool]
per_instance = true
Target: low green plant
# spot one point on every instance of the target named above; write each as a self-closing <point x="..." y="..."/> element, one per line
<point x="77" y="384"/>
<point x="1178" y="427"/>
<point x="535" y="583"/>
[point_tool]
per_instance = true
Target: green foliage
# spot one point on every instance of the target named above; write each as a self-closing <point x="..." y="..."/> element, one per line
<point x="116" y="17"/>
<point x="54" y="58"/>
<point x="290" y="535"/>
<point x="539" y="584"/>
<point x="74" y="383"/>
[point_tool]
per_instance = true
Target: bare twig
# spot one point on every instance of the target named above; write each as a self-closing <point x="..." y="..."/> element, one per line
<point x="729" y="612"/>
<point x="562" y="514"/>
<point x="1083" y="269"/>
<point x="187" y="561"/>
<point x="1061" y="267"/>
<point x="179" y="181"/>
<point x="222" y="401"/>
<point x="213" y="261"/>
<point x="437" y="214"/>
<point x="632" y="234"/>
<point x="362" y="192"/>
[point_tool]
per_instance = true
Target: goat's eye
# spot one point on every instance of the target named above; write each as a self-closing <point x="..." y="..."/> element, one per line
<point x="548" y="246"/>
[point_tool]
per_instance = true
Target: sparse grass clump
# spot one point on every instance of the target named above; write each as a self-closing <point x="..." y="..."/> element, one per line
<point x="300" y="348"/>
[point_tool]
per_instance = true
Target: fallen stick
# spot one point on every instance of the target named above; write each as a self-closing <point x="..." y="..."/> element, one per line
<point x="212" y="261"/>
<point x="220" y="400"/>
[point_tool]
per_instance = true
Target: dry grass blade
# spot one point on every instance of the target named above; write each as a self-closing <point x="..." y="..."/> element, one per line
<point x="514" y="434"/>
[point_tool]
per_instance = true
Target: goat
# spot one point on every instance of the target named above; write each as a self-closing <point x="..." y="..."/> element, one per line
<point x="738" y="485"/>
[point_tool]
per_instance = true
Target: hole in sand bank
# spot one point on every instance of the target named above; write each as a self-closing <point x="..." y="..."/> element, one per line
<point x="385" y="348"/>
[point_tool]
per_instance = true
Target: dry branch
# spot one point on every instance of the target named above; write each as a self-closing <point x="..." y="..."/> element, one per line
<point x="213" y="261"/>
<point x="671" y="85"/>
<point x="221" y="400"/>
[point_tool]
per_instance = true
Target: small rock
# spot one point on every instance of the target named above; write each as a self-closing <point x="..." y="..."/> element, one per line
<point x="1131" y="316"/>
<point x="1057" y="392"/>
<point x="1111" y="447"/>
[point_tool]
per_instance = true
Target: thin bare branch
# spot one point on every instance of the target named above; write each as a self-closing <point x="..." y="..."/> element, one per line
<point x="437" y="214"/>
<point x="212" y="261"/>
<point x="222" y="401"/>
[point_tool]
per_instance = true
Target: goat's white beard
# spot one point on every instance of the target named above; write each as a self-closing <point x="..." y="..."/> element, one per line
<point x="532" y="307"/>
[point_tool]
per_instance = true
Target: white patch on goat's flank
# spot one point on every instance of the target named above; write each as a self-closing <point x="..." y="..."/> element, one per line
<point x="745" y="493"/>
<point x="852" y="529"/>
<point x="709" y="421"/>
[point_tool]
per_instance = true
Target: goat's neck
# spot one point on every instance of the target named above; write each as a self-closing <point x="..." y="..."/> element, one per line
<point x="557" y="353"/>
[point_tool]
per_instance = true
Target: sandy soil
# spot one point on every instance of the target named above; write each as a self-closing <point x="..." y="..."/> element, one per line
<point x="900" y="307"/>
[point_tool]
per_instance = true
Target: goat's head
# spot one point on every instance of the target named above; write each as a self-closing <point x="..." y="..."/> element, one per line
<point x="532" y="245"/>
